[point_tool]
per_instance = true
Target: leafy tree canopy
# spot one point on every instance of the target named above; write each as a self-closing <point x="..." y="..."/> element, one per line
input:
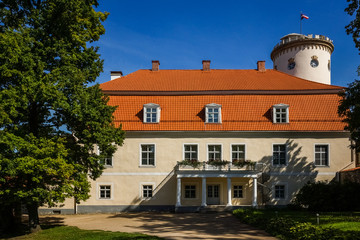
<point x="350" y="103"/>
<point x="51" y="118"/>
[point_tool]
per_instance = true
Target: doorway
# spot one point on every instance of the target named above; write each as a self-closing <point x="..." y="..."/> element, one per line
<point x="213" y="194"/>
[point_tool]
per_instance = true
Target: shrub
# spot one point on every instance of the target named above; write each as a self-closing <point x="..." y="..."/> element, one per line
<point x="323" y="196"/>
<point x="280" y="226"/>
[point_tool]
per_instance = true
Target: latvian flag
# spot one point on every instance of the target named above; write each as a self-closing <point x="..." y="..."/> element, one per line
<point x="302" y="16"/>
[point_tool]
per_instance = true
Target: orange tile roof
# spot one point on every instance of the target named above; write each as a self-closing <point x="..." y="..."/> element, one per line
<point x="351" y="170"/>
<point x="213" y="80"/>
<point x="182" y="95"/>
<point x="313" y="112"/>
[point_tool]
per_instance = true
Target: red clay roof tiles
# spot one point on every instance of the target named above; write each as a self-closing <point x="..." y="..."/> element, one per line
<point x="240" y="112"/>
<point x="213" y="80"/>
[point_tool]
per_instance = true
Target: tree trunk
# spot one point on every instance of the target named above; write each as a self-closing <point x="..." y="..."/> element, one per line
<point x="34" y="223"/>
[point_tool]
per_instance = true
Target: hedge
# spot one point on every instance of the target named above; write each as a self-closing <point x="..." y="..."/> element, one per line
<point x="288" y="229"/>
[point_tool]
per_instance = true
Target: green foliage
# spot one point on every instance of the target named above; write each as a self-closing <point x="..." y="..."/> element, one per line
<point x="65" y="232"/>
<point x="218" y="163"/>
<point x="191" y="162"/>
<point x="287" y="228"/>
<point x="51" y="118"/>
<point x="354" y="27"/>
<point x="322" y="196"/>
<point x="349" y="107"/>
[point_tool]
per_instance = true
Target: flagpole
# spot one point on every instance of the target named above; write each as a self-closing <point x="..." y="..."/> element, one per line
<point x="300" y="23"/>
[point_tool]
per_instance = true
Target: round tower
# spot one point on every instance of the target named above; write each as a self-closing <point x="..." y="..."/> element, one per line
<point x="307" y="57"/>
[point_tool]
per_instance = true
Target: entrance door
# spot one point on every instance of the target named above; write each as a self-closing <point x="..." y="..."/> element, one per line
<point x="213" y="192"/>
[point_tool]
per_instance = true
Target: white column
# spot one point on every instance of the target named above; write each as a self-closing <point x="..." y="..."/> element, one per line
<point x="229" y="191"/>
<point x="178" y="193"/>
<point x="203" y="192"/>
<point x="254" y="203"/>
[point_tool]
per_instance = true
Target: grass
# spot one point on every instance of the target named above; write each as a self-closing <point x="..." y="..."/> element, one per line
<point x="69" y="233"/>
<point x="345" y="221"/>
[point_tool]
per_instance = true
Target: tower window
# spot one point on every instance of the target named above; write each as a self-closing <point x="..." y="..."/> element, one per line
<point x="291" y="63"/>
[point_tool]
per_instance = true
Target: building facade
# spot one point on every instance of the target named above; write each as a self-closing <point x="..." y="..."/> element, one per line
<point x="235" y="138"/>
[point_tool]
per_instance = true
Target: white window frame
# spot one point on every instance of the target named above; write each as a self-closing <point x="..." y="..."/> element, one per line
<point x="231" y="151"/>
<point x="213" y="106"/>
<point x="211" y="144"/>
<point x="197" y="193"/>
<point x="99" y="184"/>
<point x="112" y="158"/>
<point x="157" y="112"/>
<point x="140" y="159"/>
<point x="141" y="189"/>
<point x="328" y="154"/>
<point x="286" y="191"/>
<point x="242" y="189"/>
<point x="197" y="154"/>
<point x="272" y="155"/>
<point x="281" y="106"/>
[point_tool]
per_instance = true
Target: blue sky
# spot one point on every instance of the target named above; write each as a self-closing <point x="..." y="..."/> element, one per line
<point x="233" y="34"/>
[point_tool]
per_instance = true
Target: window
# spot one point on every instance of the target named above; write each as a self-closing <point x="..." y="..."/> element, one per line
<point x="105" y="160"/>
<point x="279" y="154"/>
<point x="190" y="152"/>
<point x="281" y="113"/>
<point x="238" y="191"/>
<point x="322" y="155"/>
<point x="214" y="152"/>
<point x="280" y="191"/>
<point x="105" y="192"/>
<point x="190" y="191"/>
<point x="148" y="155"/>
<point x="147" y="191"/>
<point x="237" y="152"/>
<point x="151" y="113"/>
<point x="213" y="113"/>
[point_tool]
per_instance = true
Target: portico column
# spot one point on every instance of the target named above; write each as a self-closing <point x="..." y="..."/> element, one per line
<point x="178" y="192"/>
<point x="229" y="191"/>
<point x="203" y="192"/>
<point x="254" y="203"/>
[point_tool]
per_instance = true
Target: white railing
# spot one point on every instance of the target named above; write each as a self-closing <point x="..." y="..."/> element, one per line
<point x="204" y="166"/>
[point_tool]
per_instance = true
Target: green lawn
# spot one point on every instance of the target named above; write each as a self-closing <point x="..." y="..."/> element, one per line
<point x="67" y="233"/>
<point x="289" y="225"/>
<point x="345" y="221"/>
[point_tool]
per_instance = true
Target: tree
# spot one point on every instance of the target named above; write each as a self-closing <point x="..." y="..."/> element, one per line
<point x="349" y="107"/>
<point x="51" y="119"/>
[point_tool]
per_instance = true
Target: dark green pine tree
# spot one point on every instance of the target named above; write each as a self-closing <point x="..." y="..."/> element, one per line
<point x="349" y="107"/>
<point x="50" y="117"/>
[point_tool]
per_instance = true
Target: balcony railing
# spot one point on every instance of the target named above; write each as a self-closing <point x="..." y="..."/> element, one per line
<point x="206" y="166"/>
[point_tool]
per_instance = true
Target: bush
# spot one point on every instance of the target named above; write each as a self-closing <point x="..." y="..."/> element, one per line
<point x="322" y="196"/>
<point x="280" y="226"/>
<point x="288" y="229"/>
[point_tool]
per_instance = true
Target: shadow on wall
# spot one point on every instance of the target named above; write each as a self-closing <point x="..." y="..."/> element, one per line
<point x="298" y="171"/>
<point x="165" y="191"/>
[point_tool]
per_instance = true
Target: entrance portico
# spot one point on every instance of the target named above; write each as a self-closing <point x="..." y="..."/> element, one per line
<point x="216" y="187"/>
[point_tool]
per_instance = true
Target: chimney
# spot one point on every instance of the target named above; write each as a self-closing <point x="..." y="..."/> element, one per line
<point x="206" y="65"/>
<point x="115" y="74"/>
<point x="261" y="66"/>
<point x="155" y="65"/>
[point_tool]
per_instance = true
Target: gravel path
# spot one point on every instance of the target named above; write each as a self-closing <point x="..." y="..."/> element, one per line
<point x="165" y="225"/>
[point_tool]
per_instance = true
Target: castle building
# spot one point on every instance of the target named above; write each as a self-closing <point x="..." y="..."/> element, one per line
<point x="224" y="137"/>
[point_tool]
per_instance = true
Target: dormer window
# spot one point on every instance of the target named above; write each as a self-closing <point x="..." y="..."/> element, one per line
<point x="213" y="113"/>
<point x="281" y="113"/>
<point x="151" y="113"/>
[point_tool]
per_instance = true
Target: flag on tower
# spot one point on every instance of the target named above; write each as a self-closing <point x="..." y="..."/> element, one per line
<point x="302" y="16"/>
